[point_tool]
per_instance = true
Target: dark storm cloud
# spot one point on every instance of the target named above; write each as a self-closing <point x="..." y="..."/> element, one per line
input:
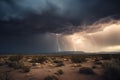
<point x="40" y="16"/>
<point x="18" y="8"/>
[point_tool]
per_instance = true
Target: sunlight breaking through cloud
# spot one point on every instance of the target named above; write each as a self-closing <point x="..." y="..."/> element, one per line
<point x="96" y="38"/>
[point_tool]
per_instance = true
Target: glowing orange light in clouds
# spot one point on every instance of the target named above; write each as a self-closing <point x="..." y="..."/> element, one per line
<point x="106" y="37"/>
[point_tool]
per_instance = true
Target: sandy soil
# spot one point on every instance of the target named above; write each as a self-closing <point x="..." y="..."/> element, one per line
<point x="40" y="71"/>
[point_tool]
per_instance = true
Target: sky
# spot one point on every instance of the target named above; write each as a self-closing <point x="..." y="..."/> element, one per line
<point x="43" y="26"/>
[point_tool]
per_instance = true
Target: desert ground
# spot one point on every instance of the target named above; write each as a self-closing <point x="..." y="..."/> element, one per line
<point x="60" y="67"/>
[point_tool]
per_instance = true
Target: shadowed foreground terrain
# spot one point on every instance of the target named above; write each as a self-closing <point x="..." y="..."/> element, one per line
<point x="60" y="67"/>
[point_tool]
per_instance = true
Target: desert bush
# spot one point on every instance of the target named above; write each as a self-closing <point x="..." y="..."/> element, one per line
<point x="40" y="59"/>
<point x="112" y="71"/>
<point x="2" y="63"/>
<point x="86" y="70"/>
<point x="34" y="64"/>
<point x="5" y="76"/>
<point x="106" y="57"/>
<point x="26" y="69"/>
<point x="59" y="72"/>
<point x="94" y="67"/>
<point x="15" y="58"/>
<point x="34" y="60"/>
<point x="117" y="61"/>
<point x="53" y="58"/>
<point x="51" y="78"/>
<point x="78" y="59"/>
<point x="98" y="62"/>
<point x="18" y="65"/>
<point x="97" y="59"/>
<point x="59" y="63"/>
<point x="15" y="65"/>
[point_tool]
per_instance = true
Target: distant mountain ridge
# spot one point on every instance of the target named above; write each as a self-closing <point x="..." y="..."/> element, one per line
<point x="60" y="53"/>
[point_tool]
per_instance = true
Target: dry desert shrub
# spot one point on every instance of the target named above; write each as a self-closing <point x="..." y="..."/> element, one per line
<point x="77" y="59"/>
<point x="51" y="78"/>
<point x="15" y="64"/>
<point x="5" y="76"/>
<point x="106" y="56"/>
<point x="39" y="59"/>
<point x="86" y="70"/>
<point x="111" y="71"/>
<point x="15" y="58"/>
<point x="58" y="63"/>
<point x="26" y="69"/>
<point x="59" y="72"/>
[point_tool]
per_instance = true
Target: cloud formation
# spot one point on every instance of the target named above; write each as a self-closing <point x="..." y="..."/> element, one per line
<point x="56" y="16"/>
<point x="103" y="38"/>
<point x="19" y="8"/>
